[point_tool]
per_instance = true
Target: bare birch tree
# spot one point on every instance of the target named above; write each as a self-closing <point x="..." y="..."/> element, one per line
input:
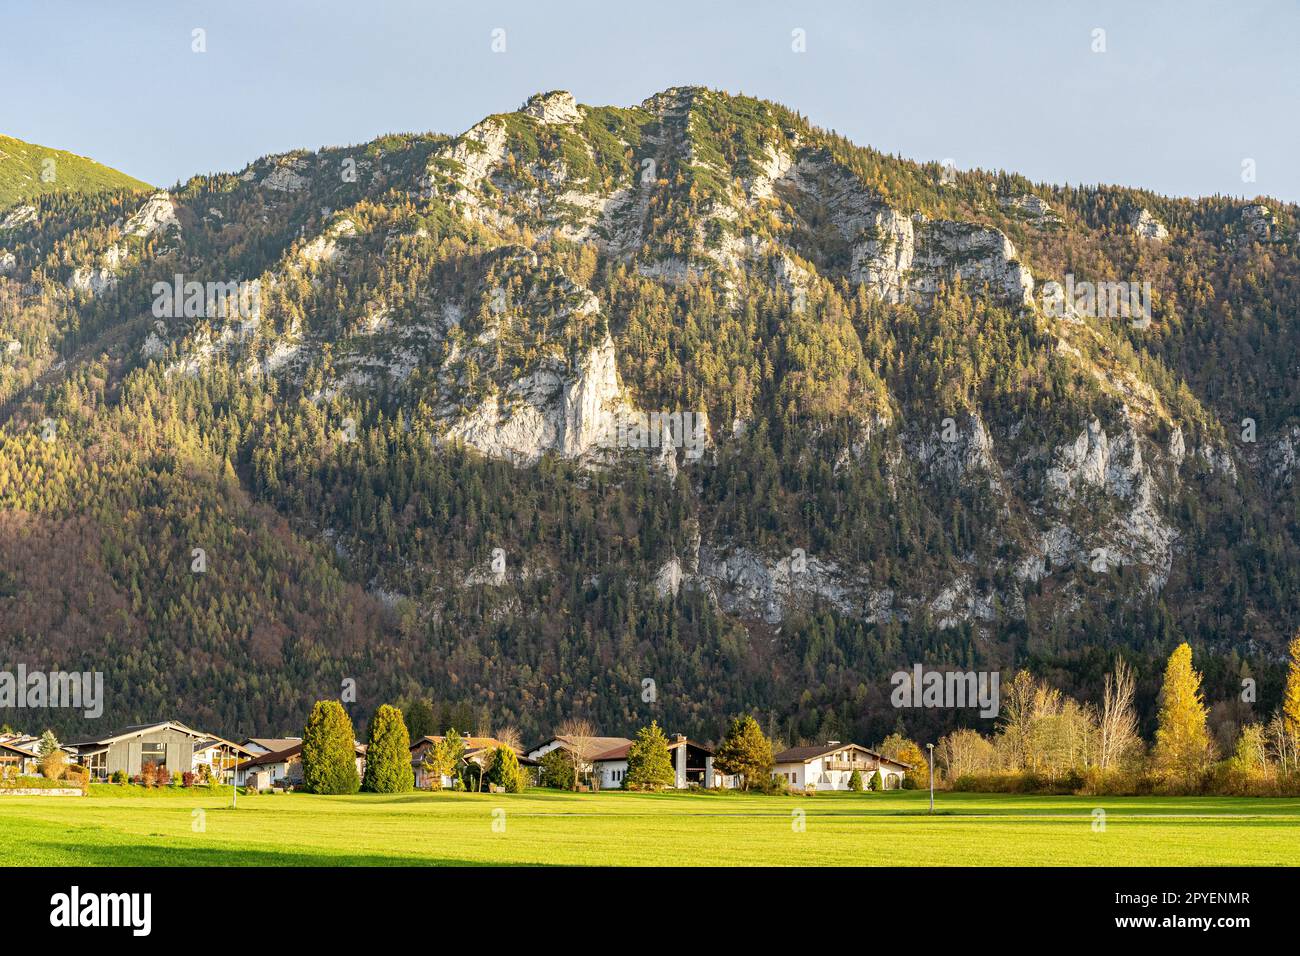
<point x="1119" y="726"/>
<point x="964" y="752"/>
<point x="579" y="734"/>
<point x="509" y="736"/>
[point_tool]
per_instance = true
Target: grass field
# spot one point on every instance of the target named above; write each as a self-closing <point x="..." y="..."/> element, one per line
<point x="127" y="826"/>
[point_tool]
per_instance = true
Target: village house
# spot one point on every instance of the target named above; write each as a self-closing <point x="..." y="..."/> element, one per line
<point x="30" y="749"/>
<point x="165" y="744"/>
<point x="282" y="768"/>
<point x="218" y="756"/>
<point x="271" y="769"/>
<point x="830" y="767"/>
<point x="590" y="747"/>
<point x="269" y="745"/>
<point x="21" y="759"/>
<point x="692" y="765"/>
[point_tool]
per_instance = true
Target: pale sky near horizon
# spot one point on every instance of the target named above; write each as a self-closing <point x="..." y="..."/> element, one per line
<point x="1182" y="95"/>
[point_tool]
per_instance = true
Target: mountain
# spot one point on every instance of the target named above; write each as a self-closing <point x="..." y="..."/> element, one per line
<point x="28" y="171"/>
<point x="673" y="410"/>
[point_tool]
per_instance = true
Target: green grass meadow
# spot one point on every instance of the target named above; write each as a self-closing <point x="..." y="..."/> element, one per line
<point x="129" y="826"/>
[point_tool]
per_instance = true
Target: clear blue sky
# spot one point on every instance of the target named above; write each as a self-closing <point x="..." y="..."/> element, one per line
<point x="1184" y="92"/>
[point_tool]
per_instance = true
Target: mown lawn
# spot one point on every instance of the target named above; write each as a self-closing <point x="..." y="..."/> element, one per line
<point x="127" y="826"/>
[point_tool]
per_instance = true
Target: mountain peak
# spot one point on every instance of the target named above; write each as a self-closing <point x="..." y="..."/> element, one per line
<point x="673" y="99"/>
<point x="557" y="107"/>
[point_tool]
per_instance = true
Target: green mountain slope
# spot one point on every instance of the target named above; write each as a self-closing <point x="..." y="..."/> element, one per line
<point x="28" y="171"/>
<point x="425" y="460"/>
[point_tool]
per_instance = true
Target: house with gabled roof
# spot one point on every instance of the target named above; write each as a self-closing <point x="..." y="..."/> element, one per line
<point x="831" y="766"/>
<point x="268" y="745"/>
<point x="218" y="755"/>
<point x="692" y="765"/>
<point x="591" y="745"/>
<point x="19" y="759"/>
<point x="283" y="767"/>
<point x="271" y="769"/>
<point x="166" y="744"/>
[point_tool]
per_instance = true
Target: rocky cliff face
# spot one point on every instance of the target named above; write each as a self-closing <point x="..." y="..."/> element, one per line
<point x="157" y="214"/>
<point x="1146" y="225"/>
<point x="571" y="412"/>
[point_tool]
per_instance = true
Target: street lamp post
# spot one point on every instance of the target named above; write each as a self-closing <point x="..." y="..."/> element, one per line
<point x="930" y="749"/>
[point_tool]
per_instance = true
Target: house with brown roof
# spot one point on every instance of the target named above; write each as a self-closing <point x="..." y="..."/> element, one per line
<point x="22" y="760"/>
<point x="692" y="765"/>
<point x="586" y="748"/>
<point x="282" y="768"/>
<point x="591" y="746"/>
<point x="268" y="745"/>
<point x="830" y="767"/>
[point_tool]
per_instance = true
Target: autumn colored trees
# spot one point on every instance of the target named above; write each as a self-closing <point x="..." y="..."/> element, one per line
<point x="1183" y="749"/>
<point x="1048" y="741"/>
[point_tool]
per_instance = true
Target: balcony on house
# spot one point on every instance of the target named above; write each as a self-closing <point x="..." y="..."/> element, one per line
<point x="861" y="765"/>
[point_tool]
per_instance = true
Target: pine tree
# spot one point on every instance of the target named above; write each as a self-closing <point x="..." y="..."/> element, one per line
<point x="557" y="769"/>
<point x="506" y="772"/>
<point x="649" y="764"/>
<point x="420" y="719"/>
<point x="388" y="754"/>
<point x="1182" y="738"/>
<point x="855" y="781"/>
<point x="745" y="751"/>
<point x="52" y="762"/>
<point x="329" y="762"/>
<point x="48" y="744"/>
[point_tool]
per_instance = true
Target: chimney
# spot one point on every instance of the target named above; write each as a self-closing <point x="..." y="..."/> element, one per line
<point x="680" y="738"/>
<point x="832" y="743"/>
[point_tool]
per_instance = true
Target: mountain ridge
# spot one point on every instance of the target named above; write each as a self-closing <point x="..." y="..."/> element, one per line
<point x="28" y="171"/>
<point x="906" y="455"/>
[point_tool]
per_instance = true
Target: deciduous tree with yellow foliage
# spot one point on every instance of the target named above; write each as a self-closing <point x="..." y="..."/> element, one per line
<point x="1183" y="749"/>
<point x="1291" y="707"/>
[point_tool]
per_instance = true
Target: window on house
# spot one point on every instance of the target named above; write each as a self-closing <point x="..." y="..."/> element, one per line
<point x="97" y="764"/>
<point x="153" y="754"/>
